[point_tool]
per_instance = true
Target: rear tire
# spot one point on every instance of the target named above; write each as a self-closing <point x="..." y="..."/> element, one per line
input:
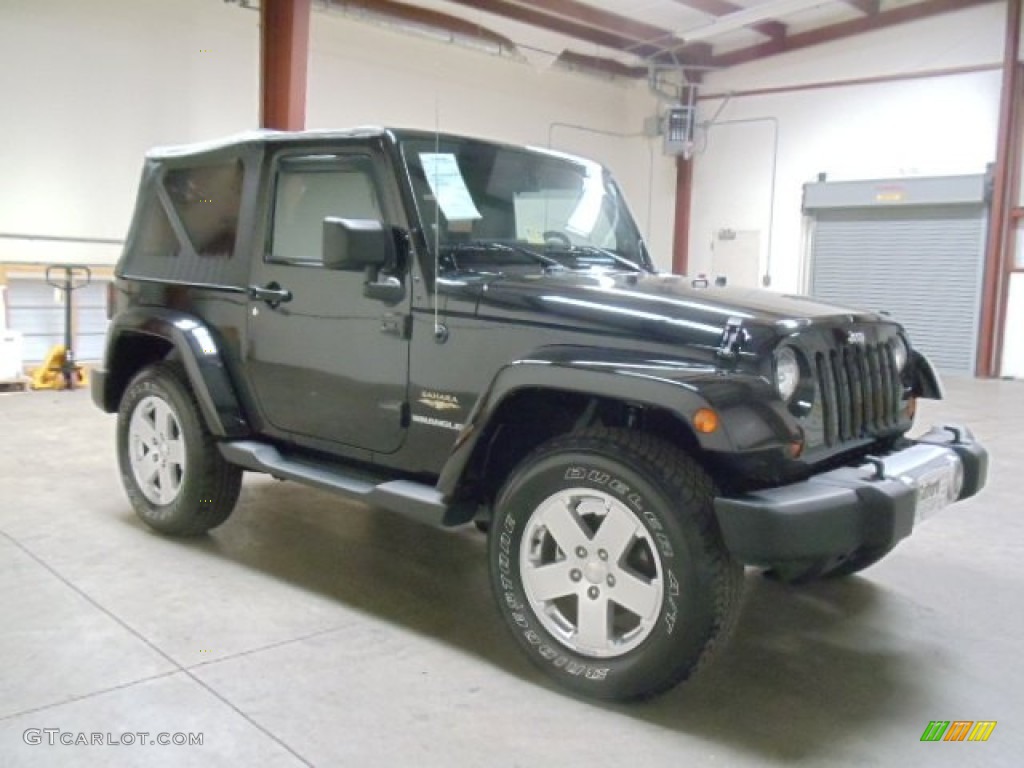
<point x="608" y="566"/>
<point x="176" y="479"/>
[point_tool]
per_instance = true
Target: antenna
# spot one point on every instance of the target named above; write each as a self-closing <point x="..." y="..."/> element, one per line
<point x="438" y="332"/>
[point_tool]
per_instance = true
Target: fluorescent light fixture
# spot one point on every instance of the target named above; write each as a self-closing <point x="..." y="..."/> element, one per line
<point x="747" y="17"/>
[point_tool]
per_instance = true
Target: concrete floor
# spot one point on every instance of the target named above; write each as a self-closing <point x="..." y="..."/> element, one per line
<point x="308" y="632"/>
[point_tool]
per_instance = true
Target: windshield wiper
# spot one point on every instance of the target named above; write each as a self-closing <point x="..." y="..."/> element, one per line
<point x="620" y="260"/>
<point x="490" y="246"/>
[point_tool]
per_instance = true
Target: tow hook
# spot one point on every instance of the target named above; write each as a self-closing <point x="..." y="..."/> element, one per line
<point x="958" y="436"/>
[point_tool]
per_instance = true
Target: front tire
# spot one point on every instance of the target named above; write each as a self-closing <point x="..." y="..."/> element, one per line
<point x="607" y="564"/>
<point x="176" y="479"/>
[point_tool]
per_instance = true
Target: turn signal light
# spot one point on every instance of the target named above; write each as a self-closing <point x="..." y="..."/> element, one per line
<point x="705" y="421"/>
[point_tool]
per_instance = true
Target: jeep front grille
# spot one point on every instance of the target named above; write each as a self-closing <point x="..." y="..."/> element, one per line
<point x="860" y="391"/>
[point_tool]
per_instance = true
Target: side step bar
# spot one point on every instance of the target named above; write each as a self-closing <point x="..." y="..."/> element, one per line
<point x="416" y="500"/>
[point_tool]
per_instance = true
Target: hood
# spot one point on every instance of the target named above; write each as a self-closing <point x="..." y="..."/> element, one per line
<point x="664" y="307"/>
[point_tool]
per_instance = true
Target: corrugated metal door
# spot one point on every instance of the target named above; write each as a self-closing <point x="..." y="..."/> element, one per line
<point x="35" y="309"/>
<point x="90" y="320"/>
<point x="922" y="265"/>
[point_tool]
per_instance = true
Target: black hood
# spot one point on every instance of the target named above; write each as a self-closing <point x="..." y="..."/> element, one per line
<point x="658" y="307"/>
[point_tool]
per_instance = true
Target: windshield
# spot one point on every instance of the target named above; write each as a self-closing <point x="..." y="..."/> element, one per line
<point x="489" y="205"/>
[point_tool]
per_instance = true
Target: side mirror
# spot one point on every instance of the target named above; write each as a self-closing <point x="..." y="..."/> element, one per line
<point x="355" y="244"/>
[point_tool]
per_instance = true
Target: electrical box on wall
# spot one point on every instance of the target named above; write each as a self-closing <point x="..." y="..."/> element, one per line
<point x="678" y="125"/>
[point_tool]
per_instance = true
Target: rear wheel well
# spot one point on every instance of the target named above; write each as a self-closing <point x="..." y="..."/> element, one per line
<point x="130" y="354"/>
<point x="530" y="417"/>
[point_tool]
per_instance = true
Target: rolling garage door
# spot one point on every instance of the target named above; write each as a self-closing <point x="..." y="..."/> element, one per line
<point x="90" y="321"/>
<point x="34" y="309"/>
<point x="913" y="248"/>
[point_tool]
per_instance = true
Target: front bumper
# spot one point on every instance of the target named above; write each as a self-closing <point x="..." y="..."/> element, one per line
<point x="873" y="505"/>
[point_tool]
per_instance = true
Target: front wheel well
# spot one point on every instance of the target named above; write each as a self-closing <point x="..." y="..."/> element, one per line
<point x="530" y="417"/>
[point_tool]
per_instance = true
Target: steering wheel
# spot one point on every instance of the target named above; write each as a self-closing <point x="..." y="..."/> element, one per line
<point x="557" y="237"/>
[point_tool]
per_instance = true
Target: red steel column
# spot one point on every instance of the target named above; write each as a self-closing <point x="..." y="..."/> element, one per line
<point x="284" y="48"/>
<point x="1004" y="193"/>
<point x="684" y="196"/>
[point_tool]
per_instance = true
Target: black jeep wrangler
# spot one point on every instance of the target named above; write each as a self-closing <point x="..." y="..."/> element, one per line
<point x="466" y="331"/>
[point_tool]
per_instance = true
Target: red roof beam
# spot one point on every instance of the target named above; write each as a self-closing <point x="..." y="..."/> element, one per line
<point x="844" y="29"/>
<point x="388" y="9"/>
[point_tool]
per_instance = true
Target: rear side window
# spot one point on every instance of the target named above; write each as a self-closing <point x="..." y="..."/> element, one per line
<point x="207" y="201"/>
<point x="186" y="224"/>
<point x="156" y="238"/>
<point x="307" y="190"/>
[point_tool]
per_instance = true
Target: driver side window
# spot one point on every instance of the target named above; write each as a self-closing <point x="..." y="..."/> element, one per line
<point x="307" y="190"/>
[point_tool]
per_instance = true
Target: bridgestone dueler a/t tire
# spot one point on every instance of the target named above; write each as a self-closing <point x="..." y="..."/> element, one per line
<point x="670" y="496"/>
<point x="209" y="486"/>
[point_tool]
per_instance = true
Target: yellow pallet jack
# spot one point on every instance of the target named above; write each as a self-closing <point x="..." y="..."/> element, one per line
<point x="59" y="370"/>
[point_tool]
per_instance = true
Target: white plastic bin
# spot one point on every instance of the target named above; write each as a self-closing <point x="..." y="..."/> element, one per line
<point x="10" y="356"/>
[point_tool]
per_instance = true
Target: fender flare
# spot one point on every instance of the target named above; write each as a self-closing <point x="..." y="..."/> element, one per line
<point x="196" y="345"/>
<point x="752" y="418"/>
<point x="925" y="381"/>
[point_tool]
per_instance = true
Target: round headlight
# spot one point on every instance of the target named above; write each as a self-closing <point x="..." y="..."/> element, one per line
<point x="787" y="372"/>
<point x="900" y="353"/>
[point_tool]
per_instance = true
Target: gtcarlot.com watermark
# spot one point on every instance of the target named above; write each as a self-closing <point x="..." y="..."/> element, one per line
<point x="55" y="736"/>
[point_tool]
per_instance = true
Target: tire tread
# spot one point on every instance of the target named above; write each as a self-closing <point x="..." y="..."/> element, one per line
<point x="219" y="481"/>
<point x="688" y="482"/>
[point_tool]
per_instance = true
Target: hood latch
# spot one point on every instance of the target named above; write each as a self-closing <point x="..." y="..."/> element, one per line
<point x="733" y="338"/>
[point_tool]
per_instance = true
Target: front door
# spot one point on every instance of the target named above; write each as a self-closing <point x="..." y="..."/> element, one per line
<point x="329" y="362"/>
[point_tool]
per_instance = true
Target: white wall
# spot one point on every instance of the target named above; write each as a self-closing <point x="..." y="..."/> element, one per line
<point x="921" y="127"/>
<point x="87" y="87"/>
<point x="1013" y="335"/>
<point x="365" y="74"/>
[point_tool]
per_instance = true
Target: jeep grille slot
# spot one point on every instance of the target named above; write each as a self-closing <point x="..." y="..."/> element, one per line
<point x="859" y="390"/>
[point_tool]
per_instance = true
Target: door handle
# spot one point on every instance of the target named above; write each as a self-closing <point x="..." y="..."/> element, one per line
<point x="272" y="293"/>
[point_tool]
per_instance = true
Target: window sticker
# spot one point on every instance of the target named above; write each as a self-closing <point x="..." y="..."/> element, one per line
<point x="446" y="182"/>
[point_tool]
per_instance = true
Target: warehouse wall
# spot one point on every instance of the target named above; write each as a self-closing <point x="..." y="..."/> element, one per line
<point x="920" y="127"/>
<point x="1013" y="345"/>
<point x="86" y="88"/>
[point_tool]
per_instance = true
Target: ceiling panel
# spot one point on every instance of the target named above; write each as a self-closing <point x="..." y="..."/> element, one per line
<point x="623" y="37"/>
